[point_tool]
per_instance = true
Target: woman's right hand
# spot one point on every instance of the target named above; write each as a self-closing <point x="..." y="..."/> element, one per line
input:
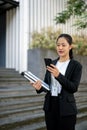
<point x="37" y="85"/>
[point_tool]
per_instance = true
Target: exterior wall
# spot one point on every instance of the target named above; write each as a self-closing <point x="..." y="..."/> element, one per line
<point x="17" y="37"/>
<point x="39" y="68"/>
<point x="42" y="14"/>
<point x="31" y="15"/>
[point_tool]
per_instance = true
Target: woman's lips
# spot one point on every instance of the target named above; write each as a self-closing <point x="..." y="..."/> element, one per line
<point x="60" y="52"/>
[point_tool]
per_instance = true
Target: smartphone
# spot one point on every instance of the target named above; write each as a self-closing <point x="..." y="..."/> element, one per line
<point x="48" y="61"/>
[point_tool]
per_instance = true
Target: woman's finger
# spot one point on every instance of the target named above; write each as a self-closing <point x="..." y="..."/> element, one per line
<point x="37" y="85"/>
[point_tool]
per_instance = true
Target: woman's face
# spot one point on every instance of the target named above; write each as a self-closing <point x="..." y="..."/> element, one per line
<point x="63" y="47"/>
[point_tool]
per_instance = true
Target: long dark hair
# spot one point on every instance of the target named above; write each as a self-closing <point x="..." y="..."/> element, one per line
<point x="69" y="40"/>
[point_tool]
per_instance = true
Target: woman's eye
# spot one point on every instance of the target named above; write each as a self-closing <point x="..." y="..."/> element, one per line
<point x="63" y="45"/>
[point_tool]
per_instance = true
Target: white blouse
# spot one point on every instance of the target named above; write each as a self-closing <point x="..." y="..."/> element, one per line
<point x="55" y="85"/>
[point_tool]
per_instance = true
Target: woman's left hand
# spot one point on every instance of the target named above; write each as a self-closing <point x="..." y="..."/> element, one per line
<point x="53" y="69"/>
<point x="37" y="85"/>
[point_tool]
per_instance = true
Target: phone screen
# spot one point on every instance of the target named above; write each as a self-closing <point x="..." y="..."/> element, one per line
<point x="48" y="61"/>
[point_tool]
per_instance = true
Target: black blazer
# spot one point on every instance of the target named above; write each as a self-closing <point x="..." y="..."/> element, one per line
<point x="70" y="83"/>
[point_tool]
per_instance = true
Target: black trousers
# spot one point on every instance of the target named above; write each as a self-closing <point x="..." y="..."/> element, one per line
<point x="55" y="122"/>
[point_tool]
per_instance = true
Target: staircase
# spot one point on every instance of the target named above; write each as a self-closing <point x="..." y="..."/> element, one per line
<point x="81" y="100"/>
<point x="10" y="77"/>
<point x="21" y="106"/>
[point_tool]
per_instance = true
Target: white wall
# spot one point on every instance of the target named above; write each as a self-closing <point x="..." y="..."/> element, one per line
<point x="31" y="15"/>
<point x="17" y="37"/>
<point x="43" y="12"/>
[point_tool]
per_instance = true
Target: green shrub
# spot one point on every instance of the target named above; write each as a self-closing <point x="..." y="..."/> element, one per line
<point x="46" y="38"/>
<point x="80" y="44"/>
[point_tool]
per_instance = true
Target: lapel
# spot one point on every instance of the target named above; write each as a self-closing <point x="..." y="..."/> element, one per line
<point x="69" y="69"/>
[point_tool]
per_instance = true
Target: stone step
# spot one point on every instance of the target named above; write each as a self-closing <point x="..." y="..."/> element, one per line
<point x="82" y="117"/>
<point x="22" y="117"/>
<point x="7" y="70"/>
<point x="17" y="106"/>
<point x="21" y="94"/>
<point x="82" y="88"/>
<point x="25" y="125"/>
<point x="39" y="126"/>
<point x="21" y="107"/>
<point x="5" y="112"/>
<point x="8" y="74"/>
<point x="19" y="112"/>
<point x="13" y="82"/>
<point x="11" y="77"/>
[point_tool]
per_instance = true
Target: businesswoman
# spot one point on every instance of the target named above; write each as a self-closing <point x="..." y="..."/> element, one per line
<point x="63" y="77"/>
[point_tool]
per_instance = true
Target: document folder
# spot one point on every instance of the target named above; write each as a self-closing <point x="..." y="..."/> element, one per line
<point x="31" y="77"/>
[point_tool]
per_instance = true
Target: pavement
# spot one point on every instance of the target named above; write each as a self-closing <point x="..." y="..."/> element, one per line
<point x="81" y="126"/>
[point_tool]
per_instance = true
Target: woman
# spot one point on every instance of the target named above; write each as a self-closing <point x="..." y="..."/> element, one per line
<point x="63" y="77"/>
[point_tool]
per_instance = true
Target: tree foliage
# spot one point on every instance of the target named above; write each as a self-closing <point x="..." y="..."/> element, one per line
<point x="76" y="8"/>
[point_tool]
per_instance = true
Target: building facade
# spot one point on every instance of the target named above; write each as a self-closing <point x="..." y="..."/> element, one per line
<point x="14" y="32"/>
<point x="19" y="21"/>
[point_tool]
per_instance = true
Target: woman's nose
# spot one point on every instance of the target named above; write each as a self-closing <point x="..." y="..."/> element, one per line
<point x="60" y="47"/>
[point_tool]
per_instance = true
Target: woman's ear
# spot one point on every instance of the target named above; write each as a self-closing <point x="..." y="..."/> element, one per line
<point x="70" y="47"/>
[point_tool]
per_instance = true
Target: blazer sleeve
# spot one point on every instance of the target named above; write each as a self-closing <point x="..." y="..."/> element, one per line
<point x="71" y="82"/>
